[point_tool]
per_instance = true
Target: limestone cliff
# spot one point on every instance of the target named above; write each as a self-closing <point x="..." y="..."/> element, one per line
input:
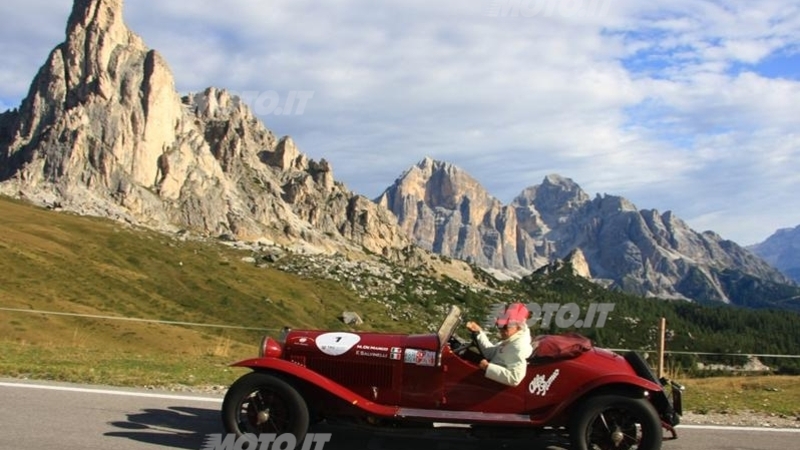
<point x="606" y="238"/>
<point x="445" y="210"/>
<point x="640" y="251"/>
<point x="102" y="131"/>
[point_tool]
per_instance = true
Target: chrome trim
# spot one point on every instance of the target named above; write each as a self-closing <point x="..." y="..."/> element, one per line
<point x="262" y="348"/>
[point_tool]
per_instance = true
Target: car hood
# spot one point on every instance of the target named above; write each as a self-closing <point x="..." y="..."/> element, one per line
<point x="357" y="345"/>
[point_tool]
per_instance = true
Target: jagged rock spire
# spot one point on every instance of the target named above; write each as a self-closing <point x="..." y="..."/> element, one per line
<point x="102" y="109"/>
<point x="96" y="33"/>
<point x="104" y="14"/>
<point x="104" y="132"/>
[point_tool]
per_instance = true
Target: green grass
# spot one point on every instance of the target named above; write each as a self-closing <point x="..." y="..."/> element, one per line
<point x="769" y="394"/>
<point x="112" y="367"/>
<point x="52" y="261"/>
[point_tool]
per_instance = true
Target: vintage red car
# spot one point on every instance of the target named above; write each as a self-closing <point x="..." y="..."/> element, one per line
<point x="601" y="399"/>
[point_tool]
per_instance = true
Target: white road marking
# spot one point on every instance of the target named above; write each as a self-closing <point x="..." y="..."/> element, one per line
<point x="735" y="428"/>
<point x="219" y="400"/>
<point x="113" y="392"/>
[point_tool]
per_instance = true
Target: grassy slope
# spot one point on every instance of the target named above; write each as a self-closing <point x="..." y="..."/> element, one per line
<point x="770" y="394"/>
<point x="61" y="262"/>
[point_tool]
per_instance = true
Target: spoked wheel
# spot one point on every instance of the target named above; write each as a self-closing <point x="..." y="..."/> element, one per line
<point x="260" y="403"/>
<point x="615" y="422"/>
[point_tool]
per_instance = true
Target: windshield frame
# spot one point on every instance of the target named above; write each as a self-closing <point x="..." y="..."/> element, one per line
<point x="449" y="325"/>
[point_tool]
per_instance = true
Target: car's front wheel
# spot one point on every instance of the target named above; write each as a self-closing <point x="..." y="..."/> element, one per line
<point x="615" y="422"/>
<point x="260" y="403"/>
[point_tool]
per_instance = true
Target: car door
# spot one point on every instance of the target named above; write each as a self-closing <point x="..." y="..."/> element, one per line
<point x="466" y="388"/>
<point x="421" y="372"/>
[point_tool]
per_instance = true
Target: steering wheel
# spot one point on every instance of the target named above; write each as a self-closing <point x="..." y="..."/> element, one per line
<point x="460" y="347"/>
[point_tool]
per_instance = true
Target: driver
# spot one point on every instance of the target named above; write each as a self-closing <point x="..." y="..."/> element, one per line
<point x="507" y="360"/>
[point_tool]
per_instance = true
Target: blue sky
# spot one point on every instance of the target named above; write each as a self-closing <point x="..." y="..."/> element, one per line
<point x="684" y="105"/>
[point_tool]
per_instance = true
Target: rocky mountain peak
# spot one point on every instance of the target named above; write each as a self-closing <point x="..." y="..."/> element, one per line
<point x="103" y="132"/>
<point x="98" y="26"/>
<point x="103" y="13"/>
<point x="606" y="238"/>
<point x="576" y="261"/>
<point x="614" y="203"/>
<point x="554" y="180"/>
<point x="542" y="208"/>
<point x="446" y="210"/>
<point x="579" y="264"/>
<point x="430" y="166"/>
<point x="287" y="156"/>
<point x="557" y="193"/>
<point x="553" y="198"/>
<point x="441" y="185"/>
<point x="100" y="81"/>
<point x="782" y="250"/>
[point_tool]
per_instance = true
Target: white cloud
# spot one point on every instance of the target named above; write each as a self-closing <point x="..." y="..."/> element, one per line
<point x="28" y="32"/>
<point x="657" y="101"/>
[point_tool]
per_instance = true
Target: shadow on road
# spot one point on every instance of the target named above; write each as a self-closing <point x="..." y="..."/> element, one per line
<point x="188" y="428"/>
<point x="174" y="427"/>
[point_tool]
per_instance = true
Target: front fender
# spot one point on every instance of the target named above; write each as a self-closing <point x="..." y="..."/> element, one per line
<point x="302" y="373"/>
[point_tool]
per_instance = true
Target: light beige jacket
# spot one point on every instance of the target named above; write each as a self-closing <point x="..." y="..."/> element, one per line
<point x="507" y="359"/>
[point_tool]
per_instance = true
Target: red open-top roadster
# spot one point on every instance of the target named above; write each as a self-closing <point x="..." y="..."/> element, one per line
<point x="601" y="399"/>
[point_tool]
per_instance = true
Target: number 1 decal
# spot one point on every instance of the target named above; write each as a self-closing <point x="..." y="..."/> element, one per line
<point x="336" y="344"/>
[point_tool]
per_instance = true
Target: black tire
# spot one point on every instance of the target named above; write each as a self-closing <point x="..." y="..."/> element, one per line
<point x="261" y="403"/>
<point x="600" y="421"/>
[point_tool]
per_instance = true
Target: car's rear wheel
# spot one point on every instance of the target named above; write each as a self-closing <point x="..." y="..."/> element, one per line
<point x="615" y="422"/>
<point x="260" y="403"/>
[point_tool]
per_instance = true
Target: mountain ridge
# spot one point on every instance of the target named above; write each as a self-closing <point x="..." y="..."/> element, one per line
<point x="639" y="251"/>
<point x="103" y="132"/>
<point x="782" y="250"/>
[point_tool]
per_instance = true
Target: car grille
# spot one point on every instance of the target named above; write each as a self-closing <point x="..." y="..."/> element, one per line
<point x="352" y="373"/>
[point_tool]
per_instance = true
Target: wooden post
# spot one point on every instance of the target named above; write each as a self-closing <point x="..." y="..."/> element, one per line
<point x="662" y="331"/>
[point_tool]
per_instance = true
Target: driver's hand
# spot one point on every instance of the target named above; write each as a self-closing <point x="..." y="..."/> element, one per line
<point x="483" y="364"/>
<point x="474" y="327"/>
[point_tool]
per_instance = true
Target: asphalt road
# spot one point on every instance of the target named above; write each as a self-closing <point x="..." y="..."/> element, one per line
<point x="38" y="415"/>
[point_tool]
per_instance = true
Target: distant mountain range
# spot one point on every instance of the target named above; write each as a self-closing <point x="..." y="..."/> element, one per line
<point x="782" y="250"/>
<point x="103" y="132"/>
<point x="447" y="211"/>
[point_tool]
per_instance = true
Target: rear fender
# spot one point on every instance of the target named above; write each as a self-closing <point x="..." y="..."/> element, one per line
<point x="291" y="370"/>
<point x="617" y="383"/>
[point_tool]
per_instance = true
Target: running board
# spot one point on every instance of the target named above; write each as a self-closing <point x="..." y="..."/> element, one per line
<point x="466" y="416"/>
